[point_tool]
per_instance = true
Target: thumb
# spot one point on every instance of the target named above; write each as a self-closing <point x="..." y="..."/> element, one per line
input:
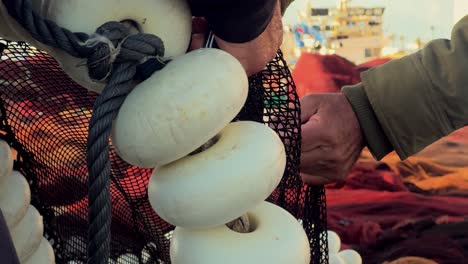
<point x="198" y="41"/>
<point x="309" y="107"/>
<point x="312" y="134"/>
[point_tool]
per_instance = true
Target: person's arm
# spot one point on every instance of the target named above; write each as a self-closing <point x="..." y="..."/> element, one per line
<point x="409" y="103"/>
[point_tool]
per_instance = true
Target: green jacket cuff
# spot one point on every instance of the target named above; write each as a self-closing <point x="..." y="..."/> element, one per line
<point x="375" y="138"/>
<point x="407" y="105"/>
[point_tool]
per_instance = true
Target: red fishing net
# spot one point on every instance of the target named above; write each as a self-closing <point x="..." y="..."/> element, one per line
<point x="44" y="116"/>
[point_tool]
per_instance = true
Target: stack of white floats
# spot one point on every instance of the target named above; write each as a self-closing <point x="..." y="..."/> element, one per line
<point x="23" y="220"/>
<point x="336" y="256"/>
<point x="161" y="125"/>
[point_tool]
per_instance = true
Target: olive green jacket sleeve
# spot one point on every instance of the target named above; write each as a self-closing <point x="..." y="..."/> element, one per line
<point x="408" y="103"/>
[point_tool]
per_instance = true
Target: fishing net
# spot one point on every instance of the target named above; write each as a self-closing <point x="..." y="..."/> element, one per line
<point x="44" y="117"/>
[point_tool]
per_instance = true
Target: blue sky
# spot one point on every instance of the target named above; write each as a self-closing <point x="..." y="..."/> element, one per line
<point x="410" y="18"/>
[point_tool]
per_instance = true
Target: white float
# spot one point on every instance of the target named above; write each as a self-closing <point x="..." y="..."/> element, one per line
<point x="276" y="237"/>
<point x="180" y="108"/>
<point x="6" y="161"/>
<point x="334" y="242"/>
<point x="347" y="256"/>
<point x="336" y="259"/>
<point x="15" y="197"/>
<point x="221" y="183"/>
<point x="171" y="20"/>
<point x="44" y="254"/>
<point x="350" y="256"/>
<point x="27" y="234"/>
<point x="23" y="220"/>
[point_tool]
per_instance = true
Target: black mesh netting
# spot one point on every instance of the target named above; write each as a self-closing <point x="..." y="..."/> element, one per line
<point x="44" y="116"/>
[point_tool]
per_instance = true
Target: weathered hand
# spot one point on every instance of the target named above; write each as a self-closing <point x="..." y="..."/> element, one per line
<point x="331" y="138"/>
<point x="254" y="55"/>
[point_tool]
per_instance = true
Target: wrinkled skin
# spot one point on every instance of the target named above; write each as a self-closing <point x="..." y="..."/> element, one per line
<point x="332" y="139"/>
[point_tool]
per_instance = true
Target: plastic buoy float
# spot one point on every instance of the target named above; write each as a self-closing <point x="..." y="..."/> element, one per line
<point x="44" y="254"/>
<point x="275" y="237"/>
<point x="27" y="234"/>
<point x="15" y="197"/>
<point x="6" y="161"/>
<point x="223" y="182"/>
<point x="23" y="220"/>
<point x="350" y="256"/>
<point x="336" y="256"/>
<point x="179" y="108"/>
<point x="171" y="20"/>
<point x="334" y="242"/>
<point x="335" y="259"/>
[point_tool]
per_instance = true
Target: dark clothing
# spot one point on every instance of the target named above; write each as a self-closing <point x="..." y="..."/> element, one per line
<point x="407" y="104"/>
<point x="7" y="249"/>
<point x="234" y="20"/>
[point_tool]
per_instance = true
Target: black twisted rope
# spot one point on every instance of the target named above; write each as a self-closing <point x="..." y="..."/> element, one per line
<point x="138" y="56"/>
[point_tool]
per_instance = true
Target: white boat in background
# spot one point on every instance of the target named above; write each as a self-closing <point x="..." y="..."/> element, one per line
<point x="355" y="33"/>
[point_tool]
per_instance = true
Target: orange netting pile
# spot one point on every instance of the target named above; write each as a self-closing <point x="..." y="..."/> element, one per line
<point x="392" y="211"/>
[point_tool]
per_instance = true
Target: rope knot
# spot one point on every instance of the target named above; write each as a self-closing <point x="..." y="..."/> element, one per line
<point x="114" y="42"/>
